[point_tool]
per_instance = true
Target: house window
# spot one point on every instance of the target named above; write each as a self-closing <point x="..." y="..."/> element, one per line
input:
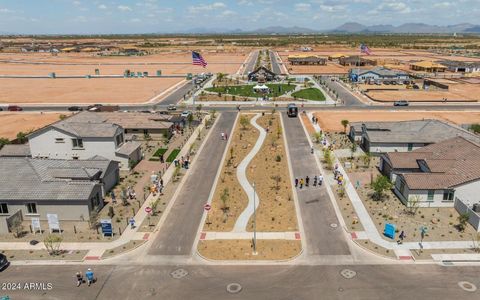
<point x="410" y="146"/>
<point x="448" y="195"/>
<point x="119" y="139"/>
<point x="430" y="195"/>
<point x="77" y="143"/>
<point x="3" y="208"/>
<point x="31" y="208"/>
<point x="59" y="140"/>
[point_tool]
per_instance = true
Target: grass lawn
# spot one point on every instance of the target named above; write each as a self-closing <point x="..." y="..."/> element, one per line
<point x="310" y="94"/>
<point x="173" y="155"/>
<point x="247" y="90"/>
<point x="160" y="151"/>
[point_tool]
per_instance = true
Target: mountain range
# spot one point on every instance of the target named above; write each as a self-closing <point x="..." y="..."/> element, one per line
<point x="348" y="28"/>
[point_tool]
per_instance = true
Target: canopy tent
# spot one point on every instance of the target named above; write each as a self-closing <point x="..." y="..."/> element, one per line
<point x="261" y="89"/>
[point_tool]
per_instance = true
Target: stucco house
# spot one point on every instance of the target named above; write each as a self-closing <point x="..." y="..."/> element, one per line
<point x="437" y="174"/>
<point x="72" y="189"/>
<point x="404" y="136"/>
<point x="82" y="136"/>
<point x="377" y="74"/>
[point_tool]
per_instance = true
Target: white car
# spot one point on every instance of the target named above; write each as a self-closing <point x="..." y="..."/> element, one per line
<point x="186" y="113"/>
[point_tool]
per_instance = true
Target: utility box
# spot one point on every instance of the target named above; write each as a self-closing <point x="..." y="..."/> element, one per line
<point x="97" y="72"/>
<point x="189" y="76"/>
<point x="52" y="75"/>
<point x="145" y="74"/>
<point x="126" y="73"/>
<point x="159" y="72"/>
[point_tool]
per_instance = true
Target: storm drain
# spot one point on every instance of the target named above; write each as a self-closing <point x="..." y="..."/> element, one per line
<point x="234" y="288"/>
<point x="334" y="225"/>
<point x="467" y="286"/>
<point x="179" y="273"/>
<point x="348" y="274"/>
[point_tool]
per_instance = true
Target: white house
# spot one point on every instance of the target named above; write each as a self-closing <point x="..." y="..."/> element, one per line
<point x="436" y="174"/>
<point x="377" y="74"/>
<point x="82" y="136"/>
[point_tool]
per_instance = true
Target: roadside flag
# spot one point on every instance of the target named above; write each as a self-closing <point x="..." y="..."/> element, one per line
<point x="198" y="59"/>
<point x="365" y="49"/>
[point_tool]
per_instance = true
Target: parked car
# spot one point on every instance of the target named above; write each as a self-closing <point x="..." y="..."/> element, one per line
<point x="93" y="106"/>
<point x="401" y="103"/>
<point x="75" y="108"/>
<point x="186" y="113"/>
<point x="14" y="108"/>
<point x="3" y="262"/>
<point x="172" y="107"/>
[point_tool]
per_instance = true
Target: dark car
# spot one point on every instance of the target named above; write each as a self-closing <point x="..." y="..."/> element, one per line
<point x="14" y="108"/>
<point x="75" y="108"/>
<point x="400" y="103"/>
<point x="3" y="262"/>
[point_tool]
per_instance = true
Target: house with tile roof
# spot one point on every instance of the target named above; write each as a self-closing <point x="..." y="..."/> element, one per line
<point x="82" y="136"/>
<point x="71" y="189"/>
<point x="377" y="74"/>
<point x="404" y="136"/>
<point x="436" y="174"/>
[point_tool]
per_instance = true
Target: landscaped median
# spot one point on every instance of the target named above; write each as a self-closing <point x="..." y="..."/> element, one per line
<point x="256" y="154"/>
<point x="309" y="94"/>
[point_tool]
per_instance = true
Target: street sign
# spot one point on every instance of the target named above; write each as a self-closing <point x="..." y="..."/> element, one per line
<point x="207" y="207"/>
<point x="106" y="227"/>
<point x="148" y="209"/>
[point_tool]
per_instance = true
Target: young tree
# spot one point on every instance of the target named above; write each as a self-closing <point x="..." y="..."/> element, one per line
<point x="277" y="180"/>
<point x="52" y="242"/>
<point x="367" y="159"/>
<point x="22" y="137"/>
<point x="190" y="120"/>
<point x="220" y="77"/>
<point x="344" y="124"/>
<point x="244" y="121"/>
<point x="224" y="197"/>
<point x="379" y="186"/>
<point x="317" y="137"/>
<point x="3" y="142"/>
<point x="462" y="221"/>
<point x="413" y="204"/>
<point x="353" y="149"/>
<point x="475" y="128"/>
<point x="279" y="130"/>
<point x="92" y="221"/>
<point x="17" y="227"/>
<point x="154" y="205"/>
<point x="327" y="156"/>
<point x="62" y="117"/>
<point x="213" y="113"/>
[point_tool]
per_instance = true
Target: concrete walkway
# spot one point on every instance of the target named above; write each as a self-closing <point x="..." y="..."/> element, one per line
<point x="242" y="221"/>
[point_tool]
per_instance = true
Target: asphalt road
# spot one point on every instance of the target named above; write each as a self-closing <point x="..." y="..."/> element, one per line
<point x="178" y="233"/>
<point x="315" y="206"/>
<point x="343" y="93"/>
<point x="251" y="63"/>
<point x="177" y="95"/>
<point x="370" y="282"/>
<point x="275" y="65"/>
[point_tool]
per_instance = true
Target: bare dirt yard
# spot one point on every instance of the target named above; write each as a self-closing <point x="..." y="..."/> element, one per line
<point x="330" y="121"/>
<point x="242" y="249"/>
<point x="13" y="255"/>
<point x="12" y="123"/>
<point x="82" y="90"/>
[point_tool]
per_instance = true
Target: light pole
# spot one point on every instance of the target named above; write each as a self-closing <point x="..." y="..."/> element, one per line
<point x="254" y="223"/>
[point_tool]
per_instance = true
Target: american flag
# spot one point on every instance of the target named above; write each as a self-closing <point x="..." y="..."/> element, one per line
<point x="365" y="49"/>
<point x="198" y="59"/>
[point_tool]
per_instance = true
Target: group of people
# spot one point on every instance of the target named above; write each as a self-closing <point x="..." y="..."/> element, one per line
<point x="224" y="136"/>
<point x="89" y="275"/>
<point x="184" y="162"/>
<point x="157" y="186"/>
<point x="300" y="183"/>
<point x="337" y="175"/>
<point x="314" y="120"/>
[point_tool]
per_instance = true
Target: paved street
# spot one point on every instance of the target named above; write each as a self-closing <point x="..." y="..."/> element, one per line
<point x="178" y="233"/>
<point x="315" y="206"/>
<point x="177" y="95"/>
<point x="343" y="93"/>
<point x="251" y="63"/>
<point x="381" y="282"/>
<point x="275" y="66"/>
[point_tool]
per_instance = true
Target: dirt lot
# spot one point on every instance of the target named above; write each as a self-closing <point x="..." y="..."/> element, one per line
<point x="83" y="64"/>
<point x="330" y="121"/>
<point x="330" y="68"/>
<point x="456" y="93"/>
<point x="242" y="249"/>
<point x="12" y="123"/>
<point x="82" y="90"/>
<point x="13" y="255"/>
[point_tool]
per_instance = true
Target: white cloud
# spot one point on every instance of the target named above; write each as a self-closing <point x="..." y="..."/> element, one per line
<point x="228" y="13"/>
<point x="207" y="7"/>
<point x="102" y="6"/>
<point x="443" y="4"/>
<point x="77" y="3"/>
<point x="135" y="20"/>
<point x="80" y="19"/>
<point x="6" y="10"/>
<point x="303" y="6"/>
<point x="124" y="8"/>
<point x="332" y="8"/>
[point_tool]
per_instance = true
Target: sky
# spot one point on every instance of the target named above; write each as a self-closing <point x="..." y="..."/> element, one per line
<point x="173" y="16"/>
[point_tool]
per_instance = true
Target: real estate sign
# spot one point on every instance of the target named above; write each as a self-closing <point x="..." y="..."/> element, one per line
<point x="36" y="225"/>
<point x="53" y="222"/>
<point x="106" y="227"/>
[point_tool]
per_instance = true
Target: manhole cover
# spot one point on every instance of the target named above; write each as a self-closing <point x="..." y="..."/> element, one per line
<point x="334" y="225"/>
<point x="467" y="286"/>
<point x="179" y="273"/>
<point x="340" y="289"/>
<point x="348" y="274"/>
<point x="234" y="288"/>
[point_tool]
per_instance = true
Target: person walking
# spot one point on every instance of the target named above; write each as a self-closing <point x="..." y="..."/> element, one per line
<point x="315" y="180"/>
<point x="222" y="135"/>
<point x="132" y="223"/>
<point x="401" y="237"/>
<point x="320" y="180"/>
<point x="307" y="180"/>
<point x="296" y="182"/>
<point x="79" y="277"/>
<point x="90" y="276"/>
<point x="301" y="182"/>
